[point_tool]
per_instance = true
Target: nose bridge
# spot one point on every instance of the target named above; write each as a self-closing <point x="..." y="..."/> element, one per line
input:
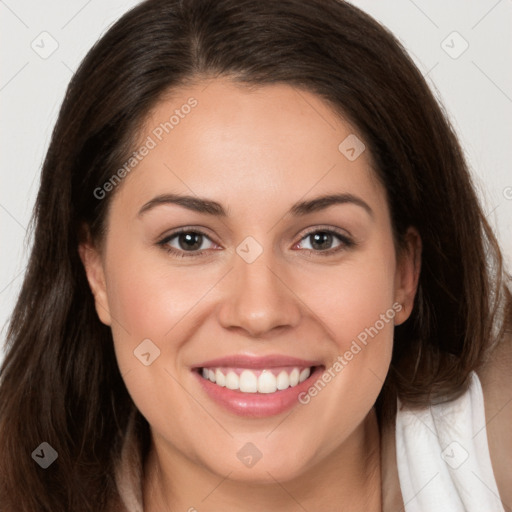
<point x="257" y="300"/>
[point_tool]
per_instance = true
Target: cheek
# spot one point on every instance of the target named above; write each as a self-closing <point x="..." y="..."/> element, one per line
<point x="351" y="298"/>
<point x="152" y="299"/>
<point x="149" y="297"/>
<point x="148" y="300"/>
<point x="356" y="305"/>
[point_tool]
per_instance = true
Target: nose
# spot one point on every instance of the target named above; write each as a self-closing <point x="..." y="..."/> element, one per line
<point x="259" y="298"/>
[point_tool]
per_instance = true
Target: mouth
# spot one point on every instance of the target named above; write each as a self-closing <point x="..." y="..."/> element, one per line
<point x="257" y="387"/>
<point x="266" y="380"/>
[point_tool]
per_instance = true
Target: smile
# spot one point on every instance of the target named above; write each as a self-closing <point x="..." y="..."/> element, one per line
<point x="256" y="387"/>
<point x="266" y="380"/>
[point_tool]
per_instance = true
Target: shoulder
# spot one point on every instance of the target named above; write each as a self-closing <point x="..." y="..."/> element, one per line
<point x="496" y="379"/>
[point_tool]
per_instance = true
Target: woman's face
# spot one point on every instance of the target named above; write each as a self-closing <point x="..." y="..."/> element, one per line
<point x="270" y="288"/>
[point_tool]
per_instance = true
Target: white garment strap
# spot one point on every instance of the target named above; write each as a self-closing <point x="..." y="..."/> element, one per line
<point x="443" y="456"/>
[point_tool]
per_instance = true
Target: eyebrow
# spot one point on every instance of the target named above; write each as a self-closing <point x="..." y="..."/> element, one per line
<point x="210" y="207"/>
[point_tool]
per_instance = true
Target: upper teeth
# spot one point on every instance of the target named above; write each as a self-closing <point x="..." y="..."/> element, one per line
<point x="249" y="382"/>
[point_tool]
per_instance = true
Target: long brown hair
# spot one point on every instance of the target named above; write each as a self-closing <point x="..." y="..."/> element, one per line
<point x="60" y="382"/>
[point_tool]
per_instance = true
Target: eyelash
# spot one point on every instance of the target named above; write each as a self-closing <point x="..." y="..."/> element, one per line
<point x="346" y="243"/>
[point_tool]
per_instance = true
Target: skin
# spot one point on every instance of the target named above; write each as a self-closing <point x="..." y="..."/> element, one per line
<point x="256" y="151"/>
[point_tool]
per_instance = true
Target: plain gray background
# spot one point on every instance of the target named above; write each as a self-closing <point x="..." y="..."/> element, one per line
<point x="463" y="48"/>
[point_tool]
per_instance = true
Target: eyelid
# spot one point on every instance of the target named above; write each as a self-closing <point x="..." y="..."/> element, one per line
<point x="325" y="228"/>
<point x="186" y="229"/>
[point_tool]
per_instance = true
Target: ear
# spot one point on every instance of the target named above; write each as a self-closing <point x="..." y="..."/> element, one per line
<point x="93" y="264"/>
<point x="407" y="274"/>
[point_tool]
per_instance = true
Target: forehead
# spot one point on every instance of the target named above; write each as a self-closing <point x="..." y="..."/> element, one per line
<point x="227" y="140"/>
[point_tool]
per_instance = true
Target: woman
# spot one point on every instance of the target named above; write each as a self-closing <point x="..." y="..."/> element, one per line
<point x="255" y="237"/>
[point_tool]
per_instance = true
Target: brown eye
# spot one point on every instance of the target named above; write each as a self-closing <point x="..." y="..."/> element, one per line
<point x="190" y="241"/>
<point x="183" y="242"/>
<point x="321" y="240"/>
<point x="325" y="242"/>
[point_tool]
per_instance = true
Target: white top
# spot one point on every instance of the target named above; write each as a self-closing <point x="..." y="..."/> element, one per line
<point x="443" y="456"/>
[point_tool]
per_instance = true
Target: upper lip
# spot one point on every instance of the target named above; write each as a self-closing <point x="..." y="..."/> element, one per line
<point x="269" y="361"/>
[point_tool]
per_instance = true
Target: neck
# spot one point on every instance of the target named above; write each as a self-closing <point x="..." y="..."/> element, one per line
<point x="349" y="476"/>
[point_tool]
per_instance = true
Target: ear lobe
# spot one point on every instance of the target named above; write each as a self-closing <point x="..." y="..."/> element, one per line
<point x="408" y="274"/>
<point x="91" y="259"/>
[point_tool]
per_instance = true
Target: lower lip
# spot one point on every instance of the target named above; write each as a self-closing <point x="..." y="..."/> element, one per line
<point x="257" y="405"/>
